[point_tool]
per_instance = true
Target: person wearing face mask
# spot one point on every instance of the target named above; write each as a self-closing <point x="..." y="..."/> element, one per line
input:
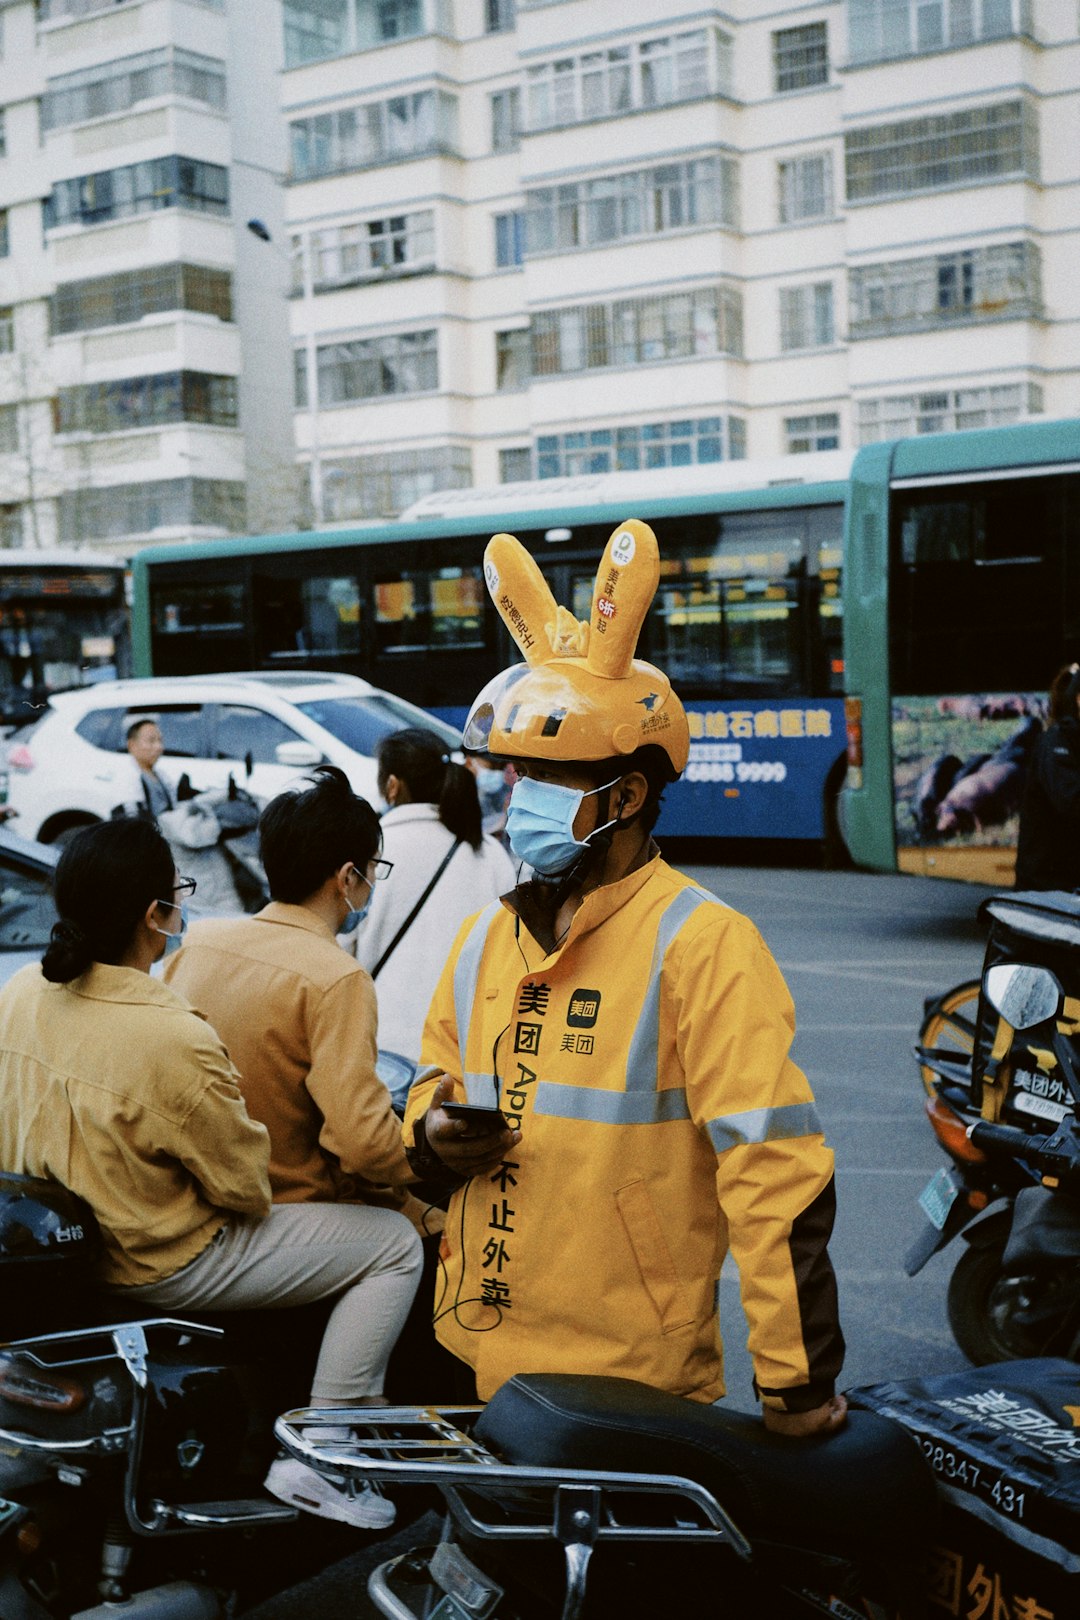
<point x="116" y="1087"/>
<point x="634" y="1032"/>
<point x="444" y="868"/>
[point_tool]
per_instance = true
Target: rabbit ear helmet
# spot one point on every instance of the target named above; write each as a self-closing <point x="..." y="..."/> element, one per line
<point x="580" y="694"/>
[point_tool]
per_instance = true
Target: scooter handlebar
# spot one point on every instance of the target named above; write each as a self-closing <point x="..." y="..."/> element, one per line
<point x="984" y="1134"/>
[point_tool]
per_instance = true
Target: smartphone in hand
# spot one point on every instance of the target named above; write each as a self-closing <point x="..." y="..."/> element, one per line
<point x="484" y="1121"/>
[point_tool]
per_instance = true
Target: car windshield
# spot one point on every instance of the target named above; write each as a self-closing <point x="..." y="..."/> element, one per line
<point x="362" y="722"/>
<point x="27" y="912"/>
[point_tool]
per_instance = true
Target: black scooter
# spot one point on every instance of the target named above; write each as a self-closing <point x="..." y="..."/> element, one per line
<point x="132" y="1444"/>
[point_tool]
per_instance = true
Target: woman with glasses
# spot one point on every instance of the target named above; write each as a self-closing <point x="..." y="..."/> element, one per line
<point x="297" y="1014"/>
<point x="445" y="869"/>
<point x="115" y="1087"/>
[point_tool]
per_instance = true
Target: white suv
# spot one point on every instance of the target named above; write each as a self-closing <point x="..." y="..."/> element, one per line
<point x="69" y="766"/>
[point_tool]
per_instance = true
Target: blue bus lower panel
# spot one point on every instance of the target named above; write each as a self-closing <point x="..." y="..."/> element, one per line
<point x="756" y="769"/>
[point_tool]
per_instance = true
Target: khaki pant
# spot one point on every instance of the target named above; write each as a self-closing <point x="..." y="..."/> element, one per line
<point x="301" y="1253"/>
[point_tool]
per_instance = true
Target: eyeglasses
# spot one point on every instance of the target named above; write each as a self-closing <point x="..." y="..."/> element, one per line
<point x="185" y="887"/>
<point x="379" y="869"/>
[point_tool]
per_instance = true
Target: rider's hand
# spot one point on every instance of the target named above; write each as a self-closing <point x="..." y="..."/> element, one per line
<point x="832" y="1414"/>
<point x="457" y="1142"/>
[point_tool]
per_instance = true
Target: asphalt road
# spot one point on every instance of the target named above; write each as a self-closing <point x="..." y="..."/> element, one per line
<point x="860" y="953"/>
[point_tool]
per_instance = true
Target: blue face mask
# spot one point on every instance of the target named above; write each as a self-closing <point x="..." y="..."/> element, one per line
<point x="173" y="942"/>
<point x="540" y="824"/>
<point x="354" y="918"/>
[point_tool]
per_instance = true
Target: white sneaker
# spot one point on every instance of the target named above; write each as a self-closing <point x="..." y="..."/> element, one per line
<point x="292" y="1481"/>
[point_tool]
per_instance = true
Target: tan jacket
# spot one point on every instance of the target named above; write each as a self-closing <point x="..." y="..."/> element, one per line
<point x="114" y="1087"/>
<point x="297" y="1014"/>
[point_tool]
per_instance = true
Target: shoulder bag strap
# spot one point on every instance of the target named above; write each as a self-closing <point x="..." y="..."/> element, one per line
<point x="416" y="910"/>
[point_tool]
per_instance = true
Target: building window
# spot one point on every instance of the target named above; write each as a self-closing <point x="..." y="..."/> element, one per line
<point x="880" y="30"/>
<point x="644" y="202"/>
<point x="7" y="331"/>
<point x="155" y="401"/>
<point x="371" y="368"/>
<point x="509" y="239"/>
<point x="384" y="485"/>
<point x="649" y="444"/>
<point x="378" y="132"/>
<point x="946" y="410"/>
<point x="113" y="512"/>
<point x="80" y="306"/>
<point x="115" y="87"/>
<point x="498" y="16"/>
<point x="515" y="465"/>
<point x="805" y="433"/>
<point x="505" y="119"/>
<point x="800" y="57"/>
<point x="674" y="326"/>
<point x="52" y="10"/>
<point x="9" y="429"/>
<point x="950" y="149"/>
<point x="11" y="520"/>
<point x="976" y="284"/>
<point x="141" y="188"/>
<point x="5" y="241"/>
<point x="622" y="78"/>
<point x="805" y="185"/>
<point x="316" y="30"/>
<point x="3" y="132"/>
<point x="344" y="255"/>
<point x="512" y="359"/>
<point x="806" y="316"/>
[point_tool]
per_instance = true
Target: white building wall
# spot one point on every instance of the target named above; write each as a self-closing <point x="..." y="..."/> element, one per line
<point x="982" y="358"/>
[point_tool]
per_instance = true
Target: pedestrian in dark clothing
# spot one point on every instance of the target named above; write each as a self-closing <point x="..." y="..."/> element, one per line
<point x="1048" y="856"/>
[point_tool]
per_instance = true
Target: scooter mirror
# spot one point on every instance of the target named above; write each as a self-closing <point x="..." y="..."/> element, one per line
<point x="1024" y="996"/>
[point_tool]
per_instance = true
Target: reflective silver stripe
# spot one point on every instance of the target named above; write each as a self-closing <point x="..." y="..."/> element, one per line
<point x="763" y="1125"/>
<point x="467" y="973"/>
<point x="610" y="1107"/>
<point x="643" y="1054"/>
<point x="482" y="1090"/>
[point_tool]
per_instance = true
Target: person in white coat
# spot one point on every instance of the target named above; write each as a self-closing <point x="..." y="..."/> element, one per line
<point x="432" y="826"/>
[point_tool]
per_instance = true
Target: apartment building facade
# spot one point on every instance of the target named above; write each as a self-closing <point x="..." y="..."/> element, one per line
<point x="556" y="237"/>
<point x="144" y="349"/>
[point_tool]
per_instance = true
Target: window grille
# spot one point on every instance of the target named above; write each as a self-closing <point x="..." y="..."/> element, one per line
<point x="805" y="187"/>
<point x="648" y="444"/>
<point x="949" y="149"/>
<point x="153" y="401"/>
<point x="385" y="484"/>
<point x="800" y="57"/>
<point x="118" y="300"/>
<point x="1002" y="281"/>
<point x="674" y="326"/>
<point x="169" y="503"/>
<point x="515" y="465"/>
<point x="806" y="316"/>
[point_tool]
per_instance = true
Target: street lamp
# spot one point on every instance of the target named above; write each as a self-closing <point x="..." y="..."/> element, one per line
<point x="311" y="369"/>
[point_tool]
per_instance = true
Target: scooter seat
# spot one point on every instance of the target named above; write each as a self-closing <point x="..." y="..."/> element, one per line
<point x="862" y="1490"/>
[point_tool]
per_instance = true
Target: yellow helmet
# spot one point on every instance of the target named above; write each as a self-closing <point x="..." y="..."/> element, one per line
<point x="580" y="694"/>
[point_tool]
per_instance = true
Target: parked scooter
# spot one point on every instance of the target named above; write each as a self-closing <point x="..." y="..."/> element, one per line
<point x="1007" y="1117"/>
<point x="574" y="1495"/>
<point x="133" y="1445"/>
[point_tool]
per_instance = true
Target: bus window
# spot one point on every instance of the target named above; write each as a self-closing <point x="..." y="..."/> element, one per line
<point x="307" y="618"/>
<point x="198" y="609"/>
<point x="429" y="610"/>
<point x="831" y="614"/>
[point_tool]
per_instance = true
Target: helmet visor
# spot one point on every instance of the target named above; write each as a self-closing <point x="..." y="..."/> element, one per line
<point x="481" y="718"/>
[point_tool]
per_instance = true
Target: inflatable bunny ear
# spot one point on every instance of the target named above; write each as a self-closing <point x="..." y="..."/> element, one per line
<point x="626" y="582"/>
<point x="523" y="597"/>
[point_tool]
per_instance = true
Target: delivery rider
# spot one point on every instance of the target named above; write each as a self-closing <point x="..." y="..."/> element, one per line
<point x="634" y="1031"/>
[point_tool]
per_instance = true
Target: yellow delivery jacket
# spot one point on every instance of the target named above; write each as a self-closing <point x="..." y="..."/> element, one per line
<point x="645" y="1061"/>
